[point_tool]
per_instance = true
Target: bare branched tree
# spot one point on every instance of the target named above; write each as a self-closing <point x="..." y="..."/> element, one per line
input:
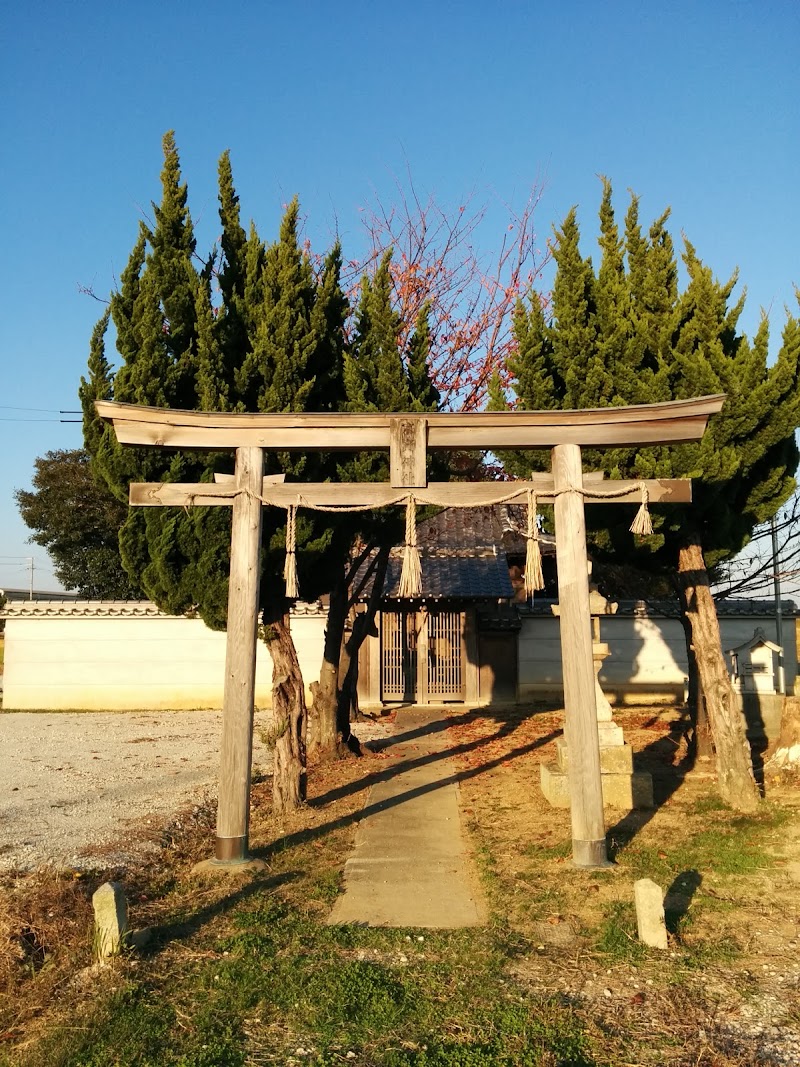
<point x="752" y="572"/>
<point x="471" y="293"/>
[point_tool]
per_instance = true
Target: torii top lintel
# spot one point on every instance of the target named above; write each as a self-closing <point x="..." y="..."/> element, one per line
<point x="644" y="424"/>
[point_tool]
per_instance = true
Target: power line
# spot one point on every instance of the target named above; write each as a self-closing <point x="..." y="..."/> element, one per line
<point x="43" y="411"/>
<point x="16" y="407"/>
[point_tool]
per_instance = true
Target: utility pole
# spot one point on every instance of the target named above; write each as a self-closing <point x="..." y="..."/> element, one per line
<point x="776" y="586"/>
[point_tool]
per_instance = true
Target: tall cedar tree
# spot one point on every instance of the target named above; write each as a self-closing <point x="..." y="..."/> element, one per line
<point x="378" y="376"/>
<point x="626" y="335"/>
<point x="274" y="345"/>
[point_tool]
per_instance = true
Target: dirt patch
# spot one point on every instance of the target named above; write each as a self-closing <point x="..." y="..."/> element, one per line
<point x="82" y="789"/>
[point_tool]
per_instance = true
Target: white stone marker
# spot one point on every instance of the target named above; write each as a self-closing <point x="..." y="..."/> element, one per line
<point x="649" y="899"/>
<point x="110" y="920"/>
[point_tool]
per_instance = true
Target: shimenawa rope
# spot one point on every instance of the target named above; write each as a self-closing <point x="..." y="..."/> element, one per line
<point x="411" y="574"/>
<point x="290" y="565"/>
<point x="534" y="579"/>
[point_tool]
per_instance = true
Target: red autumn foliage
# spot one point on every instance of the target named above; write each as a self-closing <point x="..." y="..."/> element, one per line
<point x="471" y="292"/>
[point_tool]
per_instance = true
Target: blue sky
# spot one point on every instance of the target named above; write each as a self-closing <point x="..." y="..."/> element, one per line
<point x="691" y="105"/>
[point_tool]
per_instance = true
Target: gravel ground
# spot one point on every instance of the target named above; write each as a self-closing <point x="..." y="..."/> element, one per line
<point x="76" y="784"/>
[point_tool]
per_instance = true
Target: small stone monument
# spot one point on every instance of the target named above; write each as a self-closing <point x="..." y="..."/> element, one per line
<point x="110" y="920"/>
<point x="650" y="923"/>
<point x="756" y="668"/>
<point x="623" y="787"/>
<point x="753" y="664"/>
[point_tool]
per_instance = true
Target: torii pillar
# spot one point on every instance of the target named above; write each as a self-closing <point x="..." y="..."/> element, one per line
<point x="407" y="437"/>
<point x="580" y="725"/>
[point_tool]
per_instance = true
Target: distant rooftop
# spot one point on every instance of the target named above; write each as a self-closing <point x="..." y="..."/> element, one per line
<point x="37" y="594"/>
<point x="728" y="608"/>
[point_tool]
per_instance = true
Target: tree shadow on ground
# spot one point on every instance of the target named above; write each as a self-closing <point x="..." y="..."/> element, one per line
<point x="401" y="767"/>
<point x="668" y="759"/>
<point x="437" y="729"/>
<point x="756" y="715"/>
<point x="434" y="729"/>
<point x="669" y="774"/>
<point x="181" y="929"/>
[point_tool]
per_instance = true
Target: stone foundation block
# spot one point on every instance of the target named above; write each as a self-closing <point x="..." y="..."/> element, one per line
<point x="555" y="785"/>
<point x="627" y="791"/>
<point x="616" y="759"/>
<point x="610" y="734"/>
<point x="624" y="791"/>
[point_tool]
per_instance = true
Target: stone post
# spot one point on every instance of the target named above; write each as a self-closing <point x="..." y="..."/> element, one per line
<point x="110" y="920"/>
<point x="650" y="921"/>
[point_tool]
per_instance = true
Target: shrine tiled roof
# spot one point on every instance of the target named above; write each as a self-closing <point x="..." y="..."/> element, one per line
<point x="482" y="577"/>
<point x="464" y="553"/>
<point x="467" y="531"/>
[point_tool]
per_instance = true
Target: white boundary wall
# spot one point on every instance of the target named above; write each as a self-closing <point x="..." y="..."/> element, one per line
<point x="647" y="657"/>
<point x="126" y="655"/>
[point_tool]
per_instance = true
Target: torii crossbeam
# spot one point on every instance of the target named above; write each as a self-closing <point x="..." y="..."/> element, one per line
<point x="408" y="437"/>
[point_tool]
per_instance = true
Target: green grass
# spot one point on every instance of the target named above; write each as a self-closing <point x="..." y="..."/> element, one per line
<point x="295" y="986"/>
<point x="716" y="842"/>
<point x="617" y="937"/>
<point x="248" y="973"/>
<point x="561" y="850"/>
<point x="275" y="980"/>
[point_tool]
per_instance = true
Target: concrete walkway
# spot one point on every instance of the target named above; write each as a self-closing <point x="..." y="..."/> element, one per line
<point x="409" y="866"/>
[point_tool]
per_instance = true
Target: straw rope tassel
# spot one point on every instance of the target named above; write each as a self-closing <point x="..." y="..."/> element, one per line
<point x="411" y="574"/>
<point x="642" y="524"/>
<point x="534" y="579"/>
<point x="290" y="566"/>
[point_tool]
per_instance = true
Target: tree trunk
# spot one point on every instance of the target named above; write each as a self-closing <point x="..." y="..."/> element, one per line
<point x="787" y="753"/>
<point x="289" y="711"/>
<point x="363" y="624"/>
<point x="701" y="745"/>
<point x="325" y="720"/>
<point x="348" y="688"/>
<point x="323" y="734"/>
<point x="737" y="785"/>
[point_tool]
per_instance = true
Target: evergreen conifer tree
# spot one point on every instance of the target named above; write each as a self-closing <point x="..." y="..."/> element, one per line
<point x="424" y="394"/>
<point x="626" y="335"/>
<point x="274" y="343"/>
<point x="376" y="378"/>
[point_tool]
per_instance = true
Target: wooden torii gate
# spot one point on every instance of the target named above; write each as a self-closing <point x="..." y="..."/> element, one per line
<point x="408" y="437"/>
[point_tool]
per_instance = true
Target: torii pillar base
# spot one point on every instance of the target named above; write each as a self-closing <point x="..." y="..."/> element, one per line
<point x="623" y="787"/>
<point x="229" y="868"/>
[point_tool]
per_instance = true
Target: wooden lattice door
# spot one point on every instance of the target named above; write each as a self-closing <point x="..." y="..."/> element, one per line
<point x="421" y="656"/>
<point x="445" y="667"/>
<point x="399" y="655"/>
